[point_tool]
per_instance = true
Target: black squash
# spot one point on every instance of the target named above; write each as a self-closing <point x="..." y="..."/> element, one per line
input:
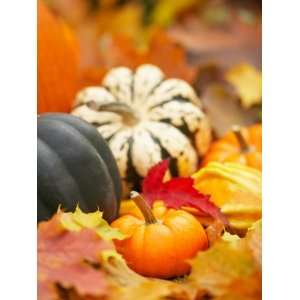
<point x="74" y="166"/>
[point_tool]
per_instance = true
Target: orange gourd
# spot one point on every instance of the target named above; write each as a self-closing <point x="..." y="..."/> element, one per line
<point x="159" y="241"/>
<point x="58" y="63"/>
<point x="241" y="145"/>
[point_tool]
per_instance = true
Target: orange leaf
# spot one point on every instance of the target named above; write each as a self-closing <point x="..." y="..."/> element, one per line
<point x="120" y="50"/>
<point x="169" y="56"/>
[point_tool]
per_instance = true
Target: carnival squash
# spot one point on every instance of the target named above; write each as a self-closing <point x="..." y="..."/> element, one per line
<point x="236" y="189"/>
<point x="57" y="62"/>
<point x="146" y="118"/>
<point x="159" y="241"/>
<point x="75" y="166"/>
<point x="241" y="145"/>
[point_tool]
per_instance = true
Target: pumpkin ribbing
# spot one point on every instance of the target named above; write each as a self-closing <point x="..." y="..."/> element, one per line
<point x="75" y="166"/>
<point x="145" y="118"/>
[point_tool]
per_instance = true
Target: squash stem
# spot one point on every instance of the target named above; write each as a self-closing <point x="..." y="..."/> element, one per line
<point x="144" y="207"/>
<point x="128" y="114"/>
<point x="241" y="139"/>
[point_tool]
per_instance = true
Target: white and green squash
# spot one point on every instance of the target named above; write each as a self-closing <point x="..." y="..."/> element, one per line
<point x="145" y="118"/>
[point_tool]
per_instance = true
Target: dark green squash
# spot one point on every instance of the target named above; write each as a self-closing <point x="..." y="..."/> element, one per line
<point x="75" y="166"/>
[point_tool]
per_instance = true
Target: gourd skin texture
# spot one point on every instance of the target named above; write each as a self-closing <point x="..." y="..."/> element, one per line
<point x="75" y="166"/>
<point x="236" y="189"/>
<point x="57" y="61"/>
<point x="228" y="148"/>
<point x="161" y="249"/>
<point x="146" y="118"/>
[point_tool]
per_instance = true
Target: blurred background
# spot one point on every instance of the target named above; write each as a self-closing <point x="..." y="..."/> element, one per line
<point x="213" y="44"/>
<point x="223" y="31"/>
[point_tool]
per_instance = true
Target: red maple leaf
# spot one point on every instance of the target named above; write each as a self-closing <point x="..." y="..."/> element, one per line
<point x="177" y="193"/>
<point x="66" y="259"/>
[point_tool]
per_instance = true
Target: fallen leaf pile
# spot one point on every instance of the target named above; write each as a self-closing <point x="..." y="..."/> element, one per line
<point x="81" y="265"/>
<point x="215" y="47"/>
<point x="231" y="269"/>
<point x="66" y="259"/>
<point x="75" y="262"/>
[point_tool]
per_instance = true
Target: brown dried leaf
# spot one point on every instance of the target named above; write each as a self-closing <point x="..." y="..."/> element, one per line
<point x="220" y="34"/>
<point x="222" y="101"/>
<point x="214" y="231"/>
<point x="230" y="269"/>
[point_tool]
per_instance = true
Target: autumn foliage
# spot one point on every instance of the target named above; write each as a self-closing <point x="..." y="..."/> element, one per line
<point x="65" y="261"/>
<point x="79" y="264"/>
<point x="177" y="192"/>
<point x="162" y="51"/>
<point x="202" y="236"/>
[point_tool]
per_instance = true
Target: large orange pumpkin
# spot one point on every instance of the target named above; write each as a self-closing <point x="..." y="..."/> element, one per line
<point x="160" y="241"/>
<point x="58" y="63"/>
<point x="241" y="145"/>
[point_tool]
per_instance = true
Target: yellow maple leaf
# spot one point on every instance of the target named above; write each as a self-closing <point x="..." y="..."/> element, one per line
<point x="248" y="83"/>
<point x="128" y="285"/>
<point x="78" y="220"/>
<point x="230" y="269"/>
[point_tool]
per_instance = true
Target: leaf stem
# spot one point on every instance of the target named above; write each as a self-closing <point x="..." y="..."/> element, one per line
<point x="143" y="207"/>
<point x="241" y="139"/>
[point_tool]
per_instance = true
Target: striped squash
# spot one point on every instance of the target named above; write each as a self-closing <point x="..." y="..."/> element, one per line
<point x="146" y="118"/>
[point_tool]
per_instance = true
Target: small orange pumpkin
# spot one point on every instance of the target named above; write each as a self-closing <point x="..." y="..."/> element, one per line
<point x="58" y="63"/>
<point x="241" y="145"/>
<point x="159" y="241"/>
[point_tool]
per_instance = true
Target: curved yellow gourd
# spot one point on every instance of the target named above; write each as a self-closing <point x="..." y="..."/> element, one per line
<point x="235" y="188"/>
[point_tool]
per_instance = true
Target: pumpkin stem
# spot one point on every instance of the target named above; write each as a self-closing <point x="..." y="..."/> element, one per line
<point x="128" y="114"/>
<point x="241" y="139"/>
<point x="144" y="207"/>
